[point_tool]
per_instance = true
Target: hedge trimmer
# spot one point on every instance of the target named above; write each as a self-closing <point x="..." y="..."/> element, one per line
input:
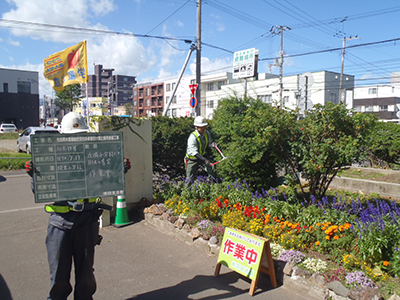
<point x="223" y="156"/>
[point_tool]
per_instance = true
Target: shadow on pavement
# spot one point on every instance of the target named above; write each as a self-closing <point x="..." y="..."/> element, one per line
<point x="4" y="290"/>
<point x="207" y="288"/>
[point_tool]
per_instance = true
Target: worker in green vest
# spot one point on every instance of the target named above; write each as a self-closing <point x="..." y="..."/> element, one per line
<point x="197" y="144"/>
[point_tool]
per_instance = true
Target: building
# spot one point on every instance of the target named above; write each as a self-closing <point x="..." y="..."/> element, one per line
<point x="19" y="97"/>
<point x="97" y="106"/>
<point x="180" y="104"/>
<point x="380" y="100"/>
<point x="148" y="100"/>
<point x="116" y="88"/>
<point x="299" y="91"/>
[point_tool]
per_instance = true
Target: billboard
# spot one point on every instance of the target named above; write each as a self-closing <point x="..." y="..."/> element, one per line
<point x="245" y="63"/>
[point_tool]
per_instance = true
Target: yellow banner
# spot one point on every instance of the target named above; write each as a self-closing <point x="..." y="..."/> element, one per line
<point x="67" y="67"/>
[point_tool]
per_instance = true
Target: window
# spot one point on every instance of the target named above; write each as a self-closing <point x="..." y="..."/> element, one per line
<point x="135" y="93"/>
<point x="5" y="87"/>
<point x="148" y="102"/>
<point x="357" y="108"/>
<point x="265" y="98"/>
<point x="135" y="113"/>
<point x="147" y="92"/>
<point x="210" y="86"/>
<point x="167" y="99"/>
<point x="221" y="83"/>
<point x="383" y="107"/>
<point x="173" y="86"/>
<point x="135" y="103"/>
<point x="372" y="91"/>
<point x="368" y="108"/>
<point x="210" y="104"/>
<point x="168" y="87"/>
<point x="24" y="87"/>
<point x="332" y="98"/>
<point x="285" y="100"/>
<point x="173" y="111"/>
<point x="174" y="100"/>
<point x="125" y="79"/>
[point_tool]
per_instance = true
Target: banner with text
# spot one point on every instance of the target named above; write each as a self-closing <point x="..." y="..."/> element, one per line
<point x="67" y="67"/>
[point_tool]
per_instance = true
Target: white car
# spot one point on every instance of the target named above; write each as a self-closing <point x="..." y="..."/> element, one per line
<point x="4" y="128"/>
<point x="24" y="140"/>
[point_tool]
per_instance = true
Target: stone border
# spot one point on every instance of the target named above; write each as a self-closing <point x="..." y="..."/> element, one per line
<point x="287" y="274"/>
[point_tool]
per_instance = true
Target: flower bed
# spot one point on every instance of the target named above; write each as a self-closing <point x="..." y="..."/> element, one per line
<point x="358" y="236"/>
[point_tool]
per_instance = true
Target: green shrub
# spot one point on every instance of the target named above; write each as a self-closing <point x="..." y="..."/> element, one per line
<point x="13" y="163"/>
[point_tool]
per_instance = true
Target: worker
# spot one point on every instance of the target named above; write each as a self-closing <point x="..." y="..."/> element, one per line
<point x="197" y="144"/>
<point x="73" y="233"/>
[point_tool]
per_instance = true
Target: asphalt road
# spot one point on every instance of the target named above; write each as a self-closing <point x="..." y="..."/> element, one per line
<point x="139" y="261"/>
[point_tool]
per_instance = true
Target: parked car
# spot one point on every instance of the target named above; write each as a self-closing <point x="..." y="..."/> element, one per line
<point x="4" y="128"/>
<point x="24" y="140"/>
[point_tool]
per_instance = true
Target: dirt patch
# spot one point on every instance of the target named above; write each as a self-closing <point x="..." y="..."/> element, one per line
<point x="8" y="145"/>
<point x="383" y="175"/>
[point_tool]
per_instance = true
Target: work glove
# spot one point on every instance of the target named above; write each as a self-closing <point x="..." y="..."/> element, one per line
<point x="29" y="168"/>
<point x="208" y="163"/>
<point x="127" y="165"/>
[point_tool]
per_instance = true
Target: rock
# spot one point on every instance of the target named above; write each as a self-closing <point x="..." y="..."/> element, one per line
<point x="179" y="223"/>
<point x="394" y="297"/>
<point x="365" y="293"/>
<point x="186" y="227"/>
<point x="318" y="280"/>
<point x="288" y="269"/>
<point x="338" y="288"/>
<point x="213" y="240"/>
<point x="165" y="217"/>
<point x="206" y="236"/>
<point x="173" y="219"/>
<point x="301" y="272"/>
<point x="155" y="209"/>
<point x="196" y="233"/>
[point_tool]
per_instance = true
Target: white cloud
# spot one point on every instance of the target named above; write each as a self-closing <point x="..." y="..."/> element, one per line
<point x="102" y="7"/>
<point x="366" y="76"/>
<point x="11" y="58"/>
<point x="168" y="50"/>
<point x="180" y="24"/>
<point x="212" y="66"/>
<point x="14" y="43"/>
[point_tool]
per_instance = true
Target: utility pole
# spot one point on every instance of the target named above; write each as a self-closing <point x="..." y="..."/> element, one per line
<point x="198" y="59"/>
<point x="280" y="30"/>
<point x="341" y="91"/>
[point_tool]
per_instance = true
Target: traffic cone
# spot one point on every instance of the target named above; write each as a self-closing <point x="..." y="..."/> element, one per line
<point x="121" y="218"/>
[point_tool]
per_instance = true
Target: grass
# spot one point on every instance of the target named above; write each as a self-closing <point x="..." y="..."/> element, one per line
<point x="9" y="136"/>
<point x="13" y="163"/>
<point x="372" y="174"/>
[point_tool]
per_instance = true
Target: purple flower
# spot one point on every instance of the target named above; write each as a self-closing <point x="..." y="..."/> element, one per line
<point x="359" y="278"/>
<point x="291" y="256"/>
<point x="204" y="224"/>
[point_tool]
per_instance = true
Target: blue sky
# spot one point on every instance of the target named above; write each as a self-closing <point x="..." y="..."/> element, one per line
<point x="227" y="26"/>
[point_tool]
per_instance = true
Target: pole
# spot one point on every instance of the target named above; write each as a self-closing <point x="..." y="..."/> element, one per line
<point x="192" y="47"/>
<point x="281" y="71"/>
<point x="341" y="93"/>
<point x="198" y="59"/>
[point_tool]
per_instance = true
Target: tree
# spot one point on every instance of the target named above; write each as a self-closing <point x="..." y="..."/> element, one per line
<point x="329" y="139"/>
<point x="383" y="145"/>
<point x="68" y="98"/>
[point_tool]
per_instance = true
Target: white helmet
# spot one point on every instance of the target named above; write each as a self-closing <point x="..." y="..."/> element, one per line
<point x="199" y="121"/>
<point x="73" y="123"/>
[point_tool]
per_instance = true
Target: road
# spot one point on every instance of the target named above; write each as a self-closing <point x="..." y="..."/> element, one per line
<point x="133" y="262"/>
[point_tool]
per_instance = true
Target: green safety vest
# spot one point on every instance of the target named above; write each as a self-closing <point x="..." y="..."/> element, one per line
<point x="62" y="209"/>
<point x="201" y="150"/>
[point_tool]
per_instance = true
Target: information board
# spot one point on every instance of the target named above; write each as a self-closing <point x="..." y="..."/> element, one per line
<point x="77" y="166"/>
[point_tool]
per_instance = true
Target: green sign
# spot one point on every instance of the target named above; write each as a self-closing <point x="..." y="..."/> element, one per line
<point x="241" y="252"/>
<point x="77" y="166"/>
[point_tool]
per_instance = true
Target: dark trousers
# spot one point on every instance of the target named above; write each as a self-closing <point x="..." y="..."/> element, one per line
<point x="67" y="243"/>
<point x="194" y="165"/>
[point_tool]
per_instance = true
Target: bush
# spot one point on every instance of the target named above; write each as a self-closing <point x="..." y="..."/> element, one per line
<point x="13" y="163"/>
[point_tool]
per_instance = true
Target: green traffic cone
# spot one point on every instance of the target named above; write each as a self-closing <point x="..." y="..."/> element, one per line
<point x="121" y="218"/>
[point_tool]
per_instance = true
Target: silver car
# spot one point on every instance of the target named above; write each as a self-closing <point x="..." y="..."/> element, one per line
<point x="24" y="140"/>
<point x="4" y="128"/>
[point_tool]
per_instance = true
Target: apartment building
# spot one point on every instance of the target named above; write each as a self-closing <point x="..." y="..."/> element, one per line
<point x="19" y="97"/>
<point x="117" y="88"/>
<point x="380" y="100"/>
<point x="148" y="99"/>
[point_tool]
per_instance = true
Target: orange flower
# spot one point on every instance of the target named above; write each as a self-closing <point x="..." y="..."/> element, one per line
<point x="318" y="224"/>
<point x="336" y="237"/>
<point x="317" y="243"/>
<point x="385" y="263"/>
<point x="328" y="237"/>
